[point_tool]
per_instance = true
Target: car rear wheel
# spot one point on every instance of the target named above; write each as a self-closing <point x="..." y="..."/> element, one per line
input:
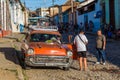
<point x="27" y="67"/>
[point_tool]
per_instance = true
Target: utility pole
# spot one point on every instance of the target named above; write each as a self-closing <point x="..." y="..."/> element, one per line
<point x="53" y="9"/>
<point x="72" y="11"/>
<point x="25" y="22"/>
<point x="24" y="3"/>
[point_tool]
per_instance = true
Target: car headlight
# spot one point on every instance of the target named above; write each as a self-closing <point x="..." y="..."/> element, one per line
<point x="69" y="53"/>
<point x="30" y="51"/>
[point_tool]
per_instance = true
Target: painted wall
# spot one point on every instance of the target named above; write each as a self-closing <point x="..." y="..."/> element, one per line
<point x="14" y="18"/>
<point x="117" y="13"/>
<point x="66" y="17"/>
<point x="96" y="21"/>
<point x="107" y="11"/>
<point x="4" y="18"/>
<point x="56" y="19"/>
<point x="3" y="14"/>
<point x="17" y="16"/>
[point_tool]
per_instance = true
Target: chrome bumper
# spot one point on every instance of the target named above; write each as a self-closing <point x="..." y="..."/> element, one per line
<point x="48" y="61"/>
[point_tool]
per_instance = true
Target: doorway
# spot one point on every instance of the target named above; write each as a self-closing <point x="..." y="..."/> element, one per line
<point x="112" y="13"/>
<point x="86" y="28"/>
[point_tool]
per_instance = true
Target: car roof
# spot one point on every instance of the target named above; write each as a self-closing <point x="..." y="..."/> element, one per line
<point x="45" y="32"/>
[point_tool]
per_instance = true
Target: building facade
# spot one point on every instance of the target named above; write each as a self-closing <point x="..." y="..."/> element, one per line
<point x="13" y="15"/>
<point x="89" y="14"/>
<point x="117" y="14"/>
<point x="111" y="10"/>
<point x="5" y="18"/>
<point x="65" y="14"/>
<point x="17" y="15"/>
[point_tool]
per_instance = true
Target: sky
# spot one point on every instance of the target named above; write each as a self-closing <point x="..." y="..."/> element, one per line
<point x="34" y="4"/>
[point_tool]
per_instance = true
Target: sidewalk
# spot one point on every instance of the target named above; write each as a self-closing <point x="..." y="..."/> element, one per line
<point x="9" y="63"/>
<point x="12" y="38"/>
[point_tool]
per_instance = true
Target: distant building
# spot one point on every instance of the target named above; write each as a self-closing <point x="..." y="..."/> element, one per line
<point x="38" y="12"/>
<point x="42" y="12"/>
<point x="64" y="13"/>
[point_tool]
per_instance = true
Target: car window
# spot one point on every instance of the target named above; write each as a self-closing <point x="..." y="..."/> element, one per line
<point x="37" y="37"/>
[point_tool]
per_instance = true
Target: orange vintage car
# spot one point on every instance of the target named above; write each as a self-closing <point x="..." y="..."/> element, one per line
<point x="45" y="48"/>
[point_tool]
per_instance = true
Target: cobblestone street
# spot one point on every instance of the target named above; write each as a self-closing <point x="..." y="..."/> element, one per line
<point x="10" y="68"/>
<point x="111" y="71"/>
<point x="39" y="33"/>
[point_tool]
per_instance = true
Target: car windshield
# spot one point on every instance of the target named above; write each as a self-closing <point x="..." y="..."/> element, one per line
<point x="37" y="37"/>
<point x="33" y="23"/>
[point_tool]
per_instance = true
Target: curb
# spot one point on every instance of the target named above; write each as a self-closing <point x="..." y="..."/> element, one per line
<point x="20" y="73"/>
<point x="12" y="39"/>
<point x="3" y="40"/>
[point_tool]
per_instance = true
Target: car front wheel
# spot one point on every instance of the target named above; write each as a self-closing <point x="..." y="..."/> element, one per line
<point x="66" y="68"/>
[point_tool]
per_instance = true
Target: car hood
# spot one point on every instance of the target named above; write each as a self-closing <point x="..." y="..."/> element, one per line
<point x="49" y="49"/>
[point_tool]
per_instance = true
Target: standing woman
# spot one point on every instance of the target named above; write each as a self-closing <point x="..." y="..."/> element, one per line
<point x="81" y="41"/>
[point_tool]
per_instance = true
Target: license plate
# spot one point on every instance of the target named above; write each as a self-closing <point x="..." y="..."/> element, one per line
<point x="49" y="64"/>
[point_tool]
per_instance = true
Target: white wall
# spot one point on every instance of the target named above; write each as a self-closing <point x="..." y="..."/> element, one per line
<point x="17" y="17"/>
<point x="1" y="3"/>
<point x="14" y="18"/>
<point x="3" y="14"/>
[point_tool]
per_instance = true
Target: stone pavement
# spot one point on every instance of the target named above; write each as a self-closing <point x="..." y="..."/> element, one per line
<point x="9" y="63"/>
<point x="12" y="38"/>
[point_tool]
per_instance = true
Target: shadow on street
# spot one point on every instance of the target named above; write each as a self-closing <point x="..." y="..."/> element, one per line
<point x="10" y="54"/>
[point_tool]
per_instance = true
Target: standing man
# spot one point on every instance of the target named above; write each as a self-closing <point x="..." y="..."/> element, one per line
<point x="81" y="41"/>
<point x="100" y="46"/>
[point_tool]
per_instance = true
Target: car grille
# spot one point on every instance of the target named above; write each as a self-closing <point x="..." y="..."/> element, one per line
<point x="42" y="59"/>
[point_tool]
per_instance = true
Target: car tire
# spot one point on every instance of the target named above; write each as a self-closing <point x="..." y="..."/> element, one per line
<point x="26" y="67"/>
<point x="66" y="68"/>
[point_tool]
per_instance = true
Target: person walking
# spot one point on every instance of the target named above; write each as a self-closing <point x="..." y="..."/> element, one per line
<point x="81" y="41"/>
<point x="100" y="46"/>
